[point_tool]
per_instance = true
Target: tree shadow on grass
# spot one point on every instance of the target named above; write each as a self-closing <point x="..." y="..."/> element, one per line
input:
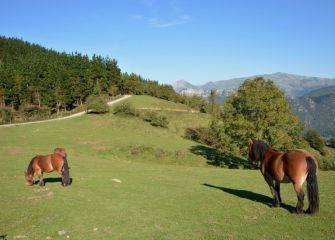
<point x="217" y="159"/>
<point x="251" y="196"/>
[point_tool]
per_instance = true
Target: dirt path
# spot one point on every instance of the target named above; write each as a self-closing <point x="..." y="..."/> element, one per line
<point x="169" y="109"/>
<point x="62" y="118"/>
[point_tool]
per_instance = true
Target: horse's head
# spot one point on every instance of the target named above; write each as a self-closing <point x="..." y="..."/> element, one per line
<point x="29" y="178"/>
<point x="251" y="154"/>
<point x="256" y="151"/>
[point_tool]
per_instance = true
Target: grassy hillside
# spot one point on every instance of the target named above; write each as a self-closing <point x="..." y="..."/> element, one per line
<point x="166" y="191"/>
<point x="179" y="115"/>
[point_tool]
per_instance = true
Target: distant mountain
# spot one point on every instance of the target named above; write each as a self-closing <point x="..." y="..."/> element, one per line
<point x="312" y="98"/>
<point x="293" y="85"/>
<point x="180" y="85"/>
<point x="317" y="110"/>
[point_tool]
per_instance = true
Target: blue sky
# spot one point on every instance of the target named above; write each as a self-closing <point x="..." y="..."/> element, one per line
<point x="194" y="40"/>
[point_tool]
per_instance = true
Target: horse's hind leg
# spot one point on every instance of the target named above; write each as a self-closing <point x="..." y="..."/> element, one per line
<point x="275" y="190"/>
<point x="300" y="196"/>
<point x="64" y="177"/>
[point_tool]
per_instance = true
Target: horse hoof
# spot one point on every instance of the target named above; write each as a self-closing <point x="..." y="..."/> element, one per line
<point x="298" y="211"/>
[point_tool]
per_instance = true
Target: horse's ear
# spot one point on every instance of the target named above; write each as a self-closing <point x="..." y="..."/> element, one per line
<point x="250" y="141"/>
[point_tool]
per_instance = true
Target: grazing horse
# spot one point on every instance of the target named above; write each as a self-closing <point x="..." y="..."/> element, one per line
<point x="49" y="163"/>
<point x="294" y="166"/>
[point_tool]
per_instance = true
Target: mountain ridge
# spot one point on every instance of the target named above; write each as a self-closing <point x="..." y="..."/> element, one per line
<point x="312" y="98"/>
<point x="293" y="85"/>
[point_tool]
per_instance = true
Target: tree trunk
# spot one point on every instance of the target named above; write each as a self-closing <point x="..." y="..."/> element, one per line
<point x="39" y="101"/>
<point x="59" y="104"/>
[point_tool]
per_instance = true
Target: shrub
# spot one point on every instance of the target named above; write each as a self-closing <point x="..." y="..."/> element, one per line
<point x="331" y="142"/>
<point x="199" y="134"/>
<point x="315" y="141"/>
<point x="148" y="116"/>
<point x="155" y="119"/>
<point x="326" y="164"/>
<point x="32" y="112"/>
<point x="125" y="108"/>
<point x="6" y="115"/>
<point x="96" y="104"/>
<point x="159" y="120"/>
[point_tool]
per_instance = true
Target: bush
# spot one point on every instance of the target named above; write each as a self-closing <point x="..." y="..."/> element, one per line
<point x="159" y="120"/>
<point x="331" y="142"/>
<point x="125" y="108"/>
<point x="97" y="104"/>
<point x="315" y="141"/>
<point x="155" y="119"/>
<point x="6" y="115"/>
<point x="32" y="112"/>
<point x="326" y="164"/>
<point x="199" y="134"/>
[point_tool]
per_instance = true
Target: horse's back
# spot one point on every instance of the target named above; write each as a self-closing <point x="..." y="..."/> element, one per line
<point x="295" y="164"/>
<point x="48" y="163"/>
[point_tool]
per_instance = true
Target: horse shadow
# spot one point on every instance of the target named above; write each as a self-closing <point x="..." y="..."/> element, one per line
<point x="217" y="159"/>
<point x="52" y="180"/>
<point x="256" y="197"/>
<point x="3" y="237"/>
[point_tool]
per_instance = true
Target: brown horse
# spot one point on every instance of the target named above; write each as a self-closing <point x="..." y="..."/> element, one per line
<point x="294" y="166"/>
<point x="49" y="163"/>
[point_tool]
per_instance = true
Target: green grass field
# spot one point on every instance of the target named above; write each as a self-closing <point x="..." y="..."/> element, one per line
<point x="167" y="191"/>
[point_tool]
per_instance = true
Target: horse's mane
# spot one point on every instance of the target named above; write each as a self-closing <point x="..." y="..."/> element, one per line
<point x="30" y="167"/>
<point x="259" y="149"/>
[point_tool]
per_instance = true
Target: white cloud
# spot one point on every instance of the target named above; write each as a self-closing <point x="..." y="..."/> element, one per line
<point x="158" y="23"/>
<point x="180" y="20"/>
<point x="138" y="17"/>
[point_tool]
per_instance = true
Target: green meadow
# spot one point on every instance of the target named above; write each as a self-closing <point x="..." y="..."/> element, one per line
<point x="135" y="181"/>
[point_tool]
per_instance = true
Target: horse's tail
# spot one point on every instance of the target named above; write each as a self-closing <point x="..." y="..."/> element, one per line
<point x="312" y="186"/>
<point x="66" y="173"/>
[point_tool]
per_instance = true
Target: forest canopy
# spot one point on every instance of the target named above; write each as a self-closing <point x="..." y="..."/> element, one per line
<point x="37" y="80"/>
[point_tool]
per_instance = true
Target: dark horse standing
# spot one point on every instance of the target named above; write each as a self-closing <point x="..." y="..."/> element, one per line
<point x="294" y="166"/>
<point x="48" y="163"/>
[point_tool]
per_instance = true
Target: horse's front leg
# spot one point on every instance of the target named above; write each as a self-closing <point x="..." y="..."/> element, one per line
<point x="275" y="190"/>
<point x="40" y="176"/>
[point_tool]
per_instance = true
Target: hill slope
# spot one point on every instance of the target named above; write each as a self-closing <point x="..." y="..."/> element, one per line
<point x="127" y="175"/>
<point x="317" y="110"/>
